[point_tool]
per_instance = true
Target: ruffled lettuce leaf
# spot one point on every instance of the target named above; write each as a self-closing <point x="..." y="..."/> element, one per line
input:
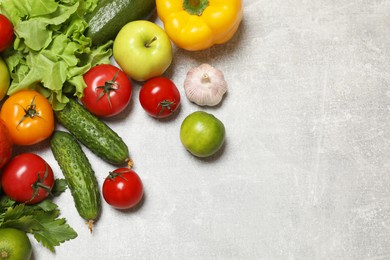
<point x="51" y="52"/>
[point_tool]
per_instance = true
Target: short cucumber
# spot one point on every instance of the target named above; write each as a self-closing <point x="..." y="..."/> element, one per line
<point x="93" y="133"/>
<point x="79" y="175"/>
<point x="110" y="16"/>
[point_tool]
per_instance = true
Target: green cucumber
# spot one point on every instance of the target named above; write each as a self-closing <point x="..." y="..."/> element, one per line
<point x="110" y="16"/>
<point x="93" y="133"/>
<point x="78" y="174"/>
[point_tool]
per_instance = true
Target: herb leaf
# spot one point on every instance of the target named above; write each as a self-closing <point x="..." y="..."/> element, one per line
<point x="54" y="232"/>
<point x="60" y="185"/>
<point x="42" y="220"/>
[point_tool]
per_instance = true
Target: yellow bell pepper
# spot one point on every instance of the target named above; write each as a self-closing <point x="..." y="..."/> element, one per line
<point x="199" y="24"/>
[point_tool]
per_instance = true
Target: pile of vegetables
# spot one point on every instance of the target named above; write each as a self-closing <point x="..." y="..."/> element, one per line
<point x="55" y="68"/>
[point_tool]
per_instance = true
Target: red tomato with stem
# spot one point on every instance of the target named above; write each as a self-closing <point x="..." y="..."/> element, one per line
<point x="27" y="178"/>
<point x="159" y="97"/>
<point x="122" y="189"/>
<point x="6" y="33"/>
<point x="108" y="90"/>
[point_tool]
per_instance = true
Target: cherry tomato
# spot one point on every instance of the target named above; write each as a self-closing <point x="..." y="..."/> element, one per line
<point x="159" y="97"/>
<point x="28" y="116"/>
<point x="27" y="178"/>
<point x="108" y="90"/>
<point x="123" y="188"/>
<point x="6" y="33"/>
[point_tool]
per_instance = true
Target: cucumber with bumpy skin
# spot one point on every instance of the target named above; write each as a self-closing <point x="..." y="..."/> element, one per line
<point x="78" y="174"/>
<point x="110" y="16"/>
<point x="93" y="133"/>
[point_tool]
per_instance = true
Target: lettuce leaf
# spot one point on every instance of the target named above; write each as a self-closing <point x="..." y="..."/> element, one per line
<point x="51" y="52"/>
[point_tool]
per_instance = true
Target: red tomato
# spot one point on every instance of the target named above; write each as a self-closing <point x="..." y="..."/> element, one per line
<point x="28" y="116"/>
<point x="159" y="97"/>
<point x="6" y="33"/>
<point x="5" y="144"/>
<point x="122" y="189"/>
<point x="108" y="90"/>
<point x="27" y="178"/>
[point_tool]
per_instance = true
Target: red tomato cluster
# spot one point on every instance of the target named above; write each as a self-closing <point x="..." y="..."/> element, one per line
<point x="108" y="92"/>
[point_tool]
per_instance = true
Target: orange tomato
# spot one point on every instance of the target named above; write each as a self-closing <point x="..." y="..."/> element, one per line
<point x="28" y="116"/>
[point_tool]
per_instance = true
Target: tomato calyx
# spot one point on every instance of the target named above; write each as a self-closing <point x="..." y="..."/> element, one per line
<point x="114" y="175"/>
<point x="39" y="184"/>
<point x="30" y="111"/>
<point x="165" y="104"/>
<point x="109" y="85"/>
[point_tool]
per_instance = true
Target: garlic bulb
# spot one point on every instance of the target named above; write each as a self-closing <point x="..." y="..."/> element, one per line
<point x="205" y="85"/>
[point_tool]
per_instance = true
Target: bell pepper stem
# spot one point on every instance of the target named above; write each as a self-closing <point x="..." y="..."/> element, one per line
<point x="195" y="7"/>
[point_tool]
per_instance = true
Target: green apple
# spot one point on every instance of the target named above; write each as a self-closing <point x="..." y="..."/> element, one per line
<point x="143" y="50"/>
<point x="4" y="79"/>
<point x="202" y="134"/>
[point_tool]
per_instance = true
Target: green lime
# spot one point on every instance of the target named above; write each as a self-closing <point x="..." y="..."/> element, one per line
<point x="202" y="134"/>
<point x="14" y="244"/>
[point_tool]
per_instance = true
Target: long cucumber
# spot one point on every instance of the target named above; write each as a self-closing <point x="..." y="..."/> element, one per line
<point x="79" y="175"/>
<point x="93" y="133"/>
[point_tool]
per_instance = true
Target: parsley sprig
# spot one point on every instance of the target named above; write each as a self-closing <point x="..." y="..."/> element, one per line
<point x="41" y="219"/>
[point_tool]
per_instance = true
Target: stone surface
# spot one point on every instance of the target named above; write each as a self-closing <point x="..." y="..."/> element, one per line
<point x="305" y="171"/>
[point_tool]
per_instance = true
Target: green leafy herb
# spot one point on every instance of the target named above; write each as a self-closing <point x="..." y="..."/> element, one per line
<point x="51" y="52"/>
<point x="60" y="185"/>
<point x="42" y="220"/>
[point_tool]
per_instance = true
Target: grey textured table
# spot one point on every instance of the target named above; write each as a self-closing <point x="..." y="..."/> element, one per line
<point x="305" y="172"/>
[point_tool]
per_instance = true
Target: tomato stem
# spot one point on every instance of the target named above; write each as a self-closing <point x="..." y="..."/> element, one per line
<point x="30" y="111"/>
<point x="165" y="104"/>
<point x="109" y="85"/>
<point x="113" y="175"/>
<point x="39" y="184"/>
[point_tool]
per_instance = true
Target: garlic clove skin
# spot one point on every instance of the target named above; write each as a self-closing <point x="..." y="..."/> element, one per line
<point x="205" y="85"/>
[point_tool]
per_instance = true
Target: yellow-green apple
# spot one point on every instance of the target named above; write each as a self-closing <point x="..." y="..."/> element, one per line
<point x="143" y="50"/>
<point x="4" y="79"/>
